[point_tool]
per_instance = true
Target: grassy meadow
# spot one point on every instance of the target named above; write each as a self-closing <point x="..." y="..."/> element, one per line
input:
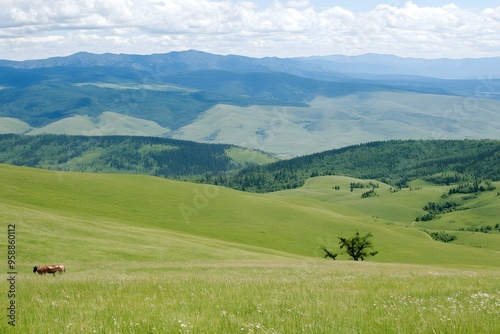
<point x="261" y="296"/>
<point x="149" y="255"/>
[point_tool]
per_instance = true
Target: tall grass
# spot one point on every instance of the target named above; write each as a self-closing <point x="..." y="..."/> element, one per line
<point x="261" y="297"/>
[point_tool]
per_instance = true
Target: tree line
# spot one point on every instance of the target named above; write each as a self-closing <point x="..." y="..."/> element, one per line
<point x="395" y="162"/>
<point x="116" y="154"/>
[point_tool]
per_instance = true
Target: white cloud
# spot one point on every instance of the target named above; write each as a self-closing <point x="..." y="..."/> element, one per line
<point x="38" y="29"/>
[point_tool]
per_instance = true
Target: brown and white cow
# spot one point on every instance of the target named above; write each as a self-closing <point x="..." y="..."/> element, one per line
<point x="51" y="269"/>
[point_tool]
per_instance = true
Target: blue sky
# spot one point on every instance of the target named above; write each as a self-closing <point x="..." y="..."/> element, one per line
<point x="32" y="29"/>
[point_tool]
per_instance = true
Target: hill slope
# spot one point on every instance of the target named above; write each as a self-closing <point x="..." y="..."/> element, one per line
<point x="120" y="154"/>
<point x="96" y="204"/>
<point x="393" y="162"/>
<point x="239" y="262"/>
<point x="473" y="219"/>
<point x="355" y="118"/>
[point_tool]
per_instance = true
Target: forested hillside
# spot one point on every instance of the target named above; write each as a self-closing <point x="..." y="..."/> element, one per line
<point x="116" y="154"/>
<point x="393" y="162"/>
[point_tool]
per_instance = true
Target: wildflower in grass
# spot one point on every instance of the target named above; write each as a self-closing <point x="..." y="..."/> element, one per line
<point x="480" y="295"/>
<point x="185" y="326"/>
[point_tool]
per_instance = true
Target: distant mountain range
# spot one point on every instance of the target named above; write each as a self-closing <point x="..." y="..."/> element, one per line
<point x="315" y="67"/>
<point x="288" y="106"/>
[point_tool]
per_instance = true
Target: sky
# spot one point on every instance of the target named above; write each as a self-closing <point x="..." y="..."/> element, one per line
<point x="35" y="29"/>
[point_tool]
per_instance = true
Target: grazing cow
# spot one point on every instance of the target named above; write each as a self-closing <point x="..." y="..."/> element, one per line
<point x="51" y="269"/>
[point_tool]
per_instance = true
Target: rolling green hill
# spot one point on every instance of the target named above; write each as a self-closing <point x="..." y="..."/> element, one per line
<point x="146" y="254"/>
<point x="392" y="162"/>
<point x="469" y="222"/>
<point x="286" y="223"/>
<point x="42" y="103"/>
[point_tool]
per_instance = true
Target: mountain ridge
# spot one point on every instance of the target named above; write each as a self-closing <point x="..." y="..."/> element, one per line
<point x="340" y="65"/>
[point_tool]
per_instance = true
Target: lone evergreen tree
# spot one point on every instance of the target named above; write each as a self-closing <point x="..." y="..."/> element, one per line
<point x="357" y="246"/>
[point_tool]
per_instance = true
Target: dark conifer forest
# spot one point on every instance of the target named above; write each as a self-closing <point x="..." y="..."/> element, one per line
<point x="116" y="154"/>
